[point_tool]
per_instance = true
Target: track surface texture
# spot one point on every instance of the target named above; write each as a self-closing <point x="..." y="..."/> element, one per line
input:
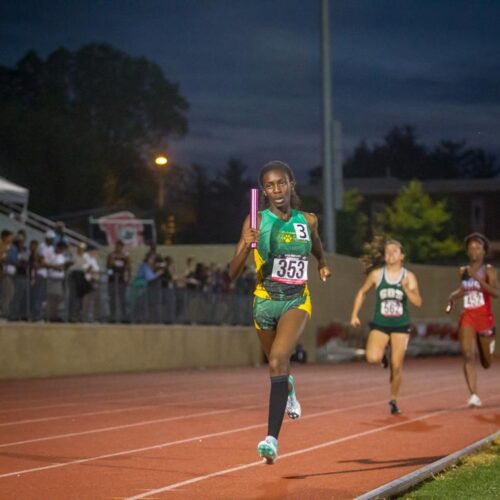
<point x="193" y="434"/>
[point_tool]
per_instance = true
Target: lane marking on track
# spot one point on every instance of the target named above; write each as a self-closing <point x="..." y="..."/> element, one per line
<point x="124" y="426"/>
<point x="155" y="405"/>
<point x="165" y="419"/>
<point x="330" y="377"/>
<point x="163" y="389"/>
<point x="170" y="403"/>
<point x="294" y="453"/>
<point x="164" y="393"/>
<point x="213" y="435"/>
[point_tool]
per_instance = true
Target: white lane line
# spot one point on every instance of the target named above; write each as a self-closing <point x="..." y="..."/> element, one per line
<point x="126" y="426"/>
<point x="259" y="462"/>
<point x="107" y="401"/>
<point x="156" y="405"/>
<point x="118" y="410"/>
<point x="186" y="379"/>
<point x="75" y="415"/>
<point x="167" y="419"/>
<point x="163" y="391"/>
<point x="293" y="453"/>
<point x="213" y="435"/>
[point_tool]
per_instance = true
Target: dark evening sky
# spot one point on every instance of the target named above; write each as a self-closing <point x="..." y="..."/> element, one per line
<point x="251" y="69"/>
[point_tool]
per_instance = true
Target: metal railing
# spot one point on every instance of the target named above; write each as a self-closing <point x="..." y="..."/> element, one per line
<point x="41" y="224"/>
<point x="74" y="299"/>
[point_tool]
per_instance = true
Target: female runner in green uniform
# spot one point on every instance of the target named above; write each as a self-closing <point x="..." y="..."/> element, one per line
<point x="285" y="237"/>
<point x="394" y="286"/>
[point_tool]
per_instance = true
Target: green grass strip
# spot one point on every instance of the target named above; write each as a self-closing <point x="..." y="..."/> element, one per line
<point x="473" y="476"/>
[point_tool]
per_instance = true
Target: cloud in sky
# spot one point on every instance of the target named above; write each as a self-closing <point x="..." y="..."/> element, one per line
<point x="251" y="70"/>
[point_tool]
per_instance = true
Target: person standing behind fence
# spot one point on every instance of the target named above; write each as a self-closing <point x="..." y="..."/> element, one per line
<point x="33" y="261"/>
<point x="56" y="266"/>
<point x="6" y="285"/>
<point x="145" y="293"/>
<point x="59" y="236"/>
<point x="18" y="306"/>
<point x="477" y="325"/>
<point x="9" y="277"/>
<point x="45" y="253"/>
<point x="190" y="281"/>
<point x="91" y="311"/>
<point x="119" y="271"/>
<point x="394" y="286"/>
<point x="78" y="284"/>
<point x="168" y="290"/>
<point x="282" y="304"/>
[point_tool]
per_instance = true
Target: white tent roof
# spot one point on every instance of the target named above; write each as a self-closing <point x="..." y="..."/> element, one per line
<point x="12" y="193"/>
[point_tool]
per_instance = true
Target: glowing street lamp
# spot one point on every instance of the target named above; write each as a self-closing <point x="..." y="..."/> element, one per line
<point x="161" y="162"/>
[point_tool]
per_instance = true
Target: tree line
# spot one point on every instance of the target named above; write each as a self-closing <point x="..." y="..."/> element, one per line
<point x="76" y="128"/>
<point x="403" y="156"/>
<point x="80" y="129"/>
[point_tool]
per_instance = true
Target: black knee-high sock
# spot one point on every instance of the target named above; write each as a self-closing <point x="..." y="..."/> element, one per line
<point x="277" y="404"/>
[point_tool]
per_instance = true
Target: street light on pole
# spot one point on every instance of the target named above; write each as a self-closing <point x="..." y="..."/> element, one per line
<point x="161" y="162"/>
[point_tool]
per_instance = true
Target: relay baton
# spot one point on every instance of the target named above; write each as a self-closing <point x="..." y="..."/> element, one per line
<point x="254" y="206"/>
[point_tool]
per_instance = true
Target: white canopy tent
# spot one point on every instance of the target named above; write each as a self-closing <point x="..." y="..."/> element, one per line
<point x="12" y="193"/>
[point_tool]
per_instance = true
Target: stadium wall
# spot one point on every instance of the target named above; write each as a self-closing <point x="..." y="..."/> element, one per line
<point x="40" y="350"/>
<point x="45" y="350"/>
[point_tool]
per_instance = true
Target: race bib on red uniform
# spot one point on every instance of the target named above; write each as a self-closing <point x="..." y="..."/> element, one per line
<point x="473" y="299"/>
<point x="290" y="269"/>
<point x="391" y="308"/>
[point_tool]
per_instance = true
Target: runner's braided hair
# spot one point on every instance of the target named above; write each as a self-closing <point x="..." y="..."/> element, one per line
<point x="277" y="165"/>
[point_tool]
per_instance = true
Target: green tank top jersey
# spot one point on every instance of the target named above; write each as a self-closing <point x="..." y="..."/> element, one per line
<point x="281" y="257"/>
<point x="391" y="305"/>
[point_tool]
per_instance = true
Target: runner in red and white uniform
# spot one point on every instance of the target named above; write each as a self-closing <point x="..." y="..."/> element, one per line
<point x="477" y="328"/>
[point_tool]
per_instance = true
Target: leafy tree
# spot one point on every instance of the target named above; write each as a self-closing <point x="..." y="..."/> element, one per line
<point x="479" y="164"/>
<point x="399" y="156"/>
<point x="420" y="224"/>
<point x="197" y="223"/>
<point x="208" y="209"/>
<point x="352" y="224"/>
<point x="402" y="156"/>
<point x="78" y="128"/>
<point x="231" y="202"/>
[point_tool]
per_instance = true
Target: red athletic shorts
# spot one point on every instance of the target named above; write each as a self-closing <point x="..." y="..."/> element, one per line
<point x="481" y="323"/>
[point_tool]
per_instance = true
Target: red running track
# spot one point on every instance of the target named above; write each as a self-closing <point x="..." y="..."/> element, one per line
<point x="193" y="434"/>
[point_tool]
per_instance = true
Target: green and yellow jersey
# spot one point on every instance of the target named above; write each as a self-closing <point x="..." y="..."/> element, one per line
<point x="281" y="256"/>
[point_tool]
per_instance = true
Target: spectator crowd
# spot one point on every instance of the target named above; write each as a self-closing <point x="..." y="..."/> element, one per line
<point x="54" y="280"/>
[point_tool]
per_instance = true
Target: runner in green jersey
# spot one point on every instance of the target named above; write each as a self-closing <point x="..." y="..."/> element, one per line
<point x="284" y="239"/>
<point x="394" y="286"/>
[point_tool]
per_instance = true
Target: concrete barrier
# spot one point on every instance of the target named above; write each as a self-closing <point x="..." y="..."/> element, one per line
<point x="44" y="350"/>
<point x="41" y="350"/>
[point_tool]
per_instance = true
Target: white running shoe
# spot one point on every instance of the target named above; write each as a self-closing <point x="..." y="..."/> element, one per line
<point x="293" y="408"/>
<point x="474" y="401"/>
<point x="268" y="449"/>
